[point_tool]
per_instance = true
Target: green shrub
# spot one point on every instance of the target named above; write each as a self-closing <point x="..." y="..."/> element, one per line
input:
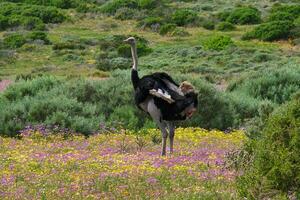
<point x="14" y="40"/>
<point x="270" y="31"/>
<point x="243" y="15"/>
<point x="33" y="23"/>
<point x="124" y="50"/>
<point x="57" y="3"/>
<point x="65" y="4"/>
<point x="46" y="14"/>
<point x="84" y="8"/>
<point x="3" y="23"/>
<point x="28" y="23"/>
<point x="81" y="105"/>
<point x="277" y="86"/>
<point x="125" y="13"/>
<point x="218" y="112"/>
<point x="166" y="28"/>
<point x="112" y="6"/>
<point x="281" y="16"/>
<point x="120" y="63"/>
<point x="30" y="16"/>
<point x="148" y="4"/>
<point x="126" y="115"/>
<point x="184" y="17"/>
<point x="208" y="24"/>
<point x="38" y="35"/>
<point x="225" y="26"/>
<point x="222" y="16"/>
<point x="218" y="42"/>
<point x="293" y="10"/>
<point x="151" y="22"/>
<point x="297" y="22"/>
<point x="274" y="170"/>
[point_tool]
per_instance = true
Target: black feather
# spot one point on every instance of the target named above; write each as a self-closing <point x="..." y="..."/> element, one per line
<point x="157" y="81"/>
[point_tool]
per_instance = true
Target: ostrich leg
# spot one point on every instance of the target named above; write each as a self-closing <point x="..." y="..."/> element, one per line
<point x="171" y="128"/>
<point x="156" y="116"/>
<point x="164" y="135"/>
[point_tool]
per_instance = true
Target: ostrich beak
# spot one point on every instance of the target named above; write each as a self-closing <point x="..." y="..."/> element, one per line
<point x="126" y="41"/>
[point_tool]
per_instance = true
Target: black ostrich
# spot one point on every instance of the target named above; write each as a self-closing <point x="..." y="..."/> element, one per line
<point x="162" y="98"/>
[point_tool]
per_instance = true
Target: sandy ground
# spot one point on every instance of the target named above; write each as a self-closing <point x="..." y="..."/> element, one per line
<point x="4" y="84"/>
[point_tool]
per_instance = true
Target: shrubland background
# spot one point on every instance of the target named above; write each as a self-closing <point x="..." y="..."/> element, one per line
<point x="72" y="70"/>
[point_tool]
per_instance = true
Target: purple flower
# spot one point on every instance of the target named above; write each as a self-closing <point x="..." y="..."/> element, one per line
<point x="152" y="180"/>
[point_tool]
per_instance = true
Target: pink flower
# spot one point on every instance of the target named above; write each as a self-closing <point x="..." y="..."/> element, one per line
<point x="152" y="180"/>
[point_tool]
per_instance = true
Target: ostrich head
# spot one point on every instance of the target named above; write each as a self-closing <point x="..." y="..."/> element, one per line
<point x="130" y="40"/>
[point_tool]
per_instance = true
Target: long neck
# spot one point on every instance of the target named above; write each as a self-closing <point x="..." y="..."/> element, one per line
<point x="134" y="74"/>
<point x="134" y="57"/>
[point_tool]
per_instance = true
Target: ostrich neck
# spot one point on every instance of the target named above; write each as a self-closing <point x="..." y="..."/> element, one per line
<point x="134" y="57"/>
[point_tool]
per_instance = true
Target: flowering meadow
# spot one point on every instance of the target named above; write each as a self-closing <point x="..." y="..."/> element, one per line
<point x="123" y="165"/>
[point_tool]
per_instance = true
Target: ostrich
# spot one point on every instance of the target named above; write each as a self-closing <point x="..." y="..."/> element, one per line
<point x="162" y="98"/>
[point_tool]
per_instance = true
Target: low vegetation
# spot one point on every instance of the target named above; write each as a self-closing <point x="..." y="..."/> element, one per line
<point x="274" y="170"/>
<point x="130" y="165"/>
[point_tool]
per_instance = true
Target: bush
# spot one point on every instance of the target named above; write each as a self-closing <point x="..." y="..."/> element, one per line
<point x="151" y="22"/>
<point x="3" y="23"/>
<point x="218" y="42"/>
<point x="112" y="6"/>
<point x="65" y="4"/>
<point x="184" y="17"/>
<point x="277" y="86"/>
<point x="81" y="105"/>
<point x="218" y="112"/>
<point x="125" y="13"/>
<point x="243" y="15"/>
<point x="46" y="14"/>
<point x="271" y="31"/>
<point x="30" y="16"/>
<point x="38" y="35"/>
<point x="33" y="23"/>
<point x="148" y="4"/>
<point x="274" y="170"/>
<point x="208" y="24"/>
<point x="293" y="10"/>
<point x="281" y="16"/>
<point x="166" y="28"/>
<point x="125" y="115"/>
<point x="14" y="41"/>
<point x="225" y="26"/>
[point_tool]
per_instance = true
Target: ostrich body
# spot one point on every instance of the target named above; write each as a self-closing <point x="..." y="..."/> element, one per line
<point x="162" y="98"/>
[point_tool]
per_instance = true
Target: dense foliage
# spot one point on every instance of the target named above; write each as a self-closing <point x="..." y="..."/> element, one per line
<point x="279" y="25"/>
<point x="242" y="15"/>
<point x="218" y="42"/>
<point x="184" y="17"/>
<point x="17" y="40"/>
<point x="274" y="170"/>
<point x="225" y="26"/>
<point x="270" y="31"/>
<point x="82" y="105"/>
<point x="28" y="16"/>
<point x="277" y="86"/>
